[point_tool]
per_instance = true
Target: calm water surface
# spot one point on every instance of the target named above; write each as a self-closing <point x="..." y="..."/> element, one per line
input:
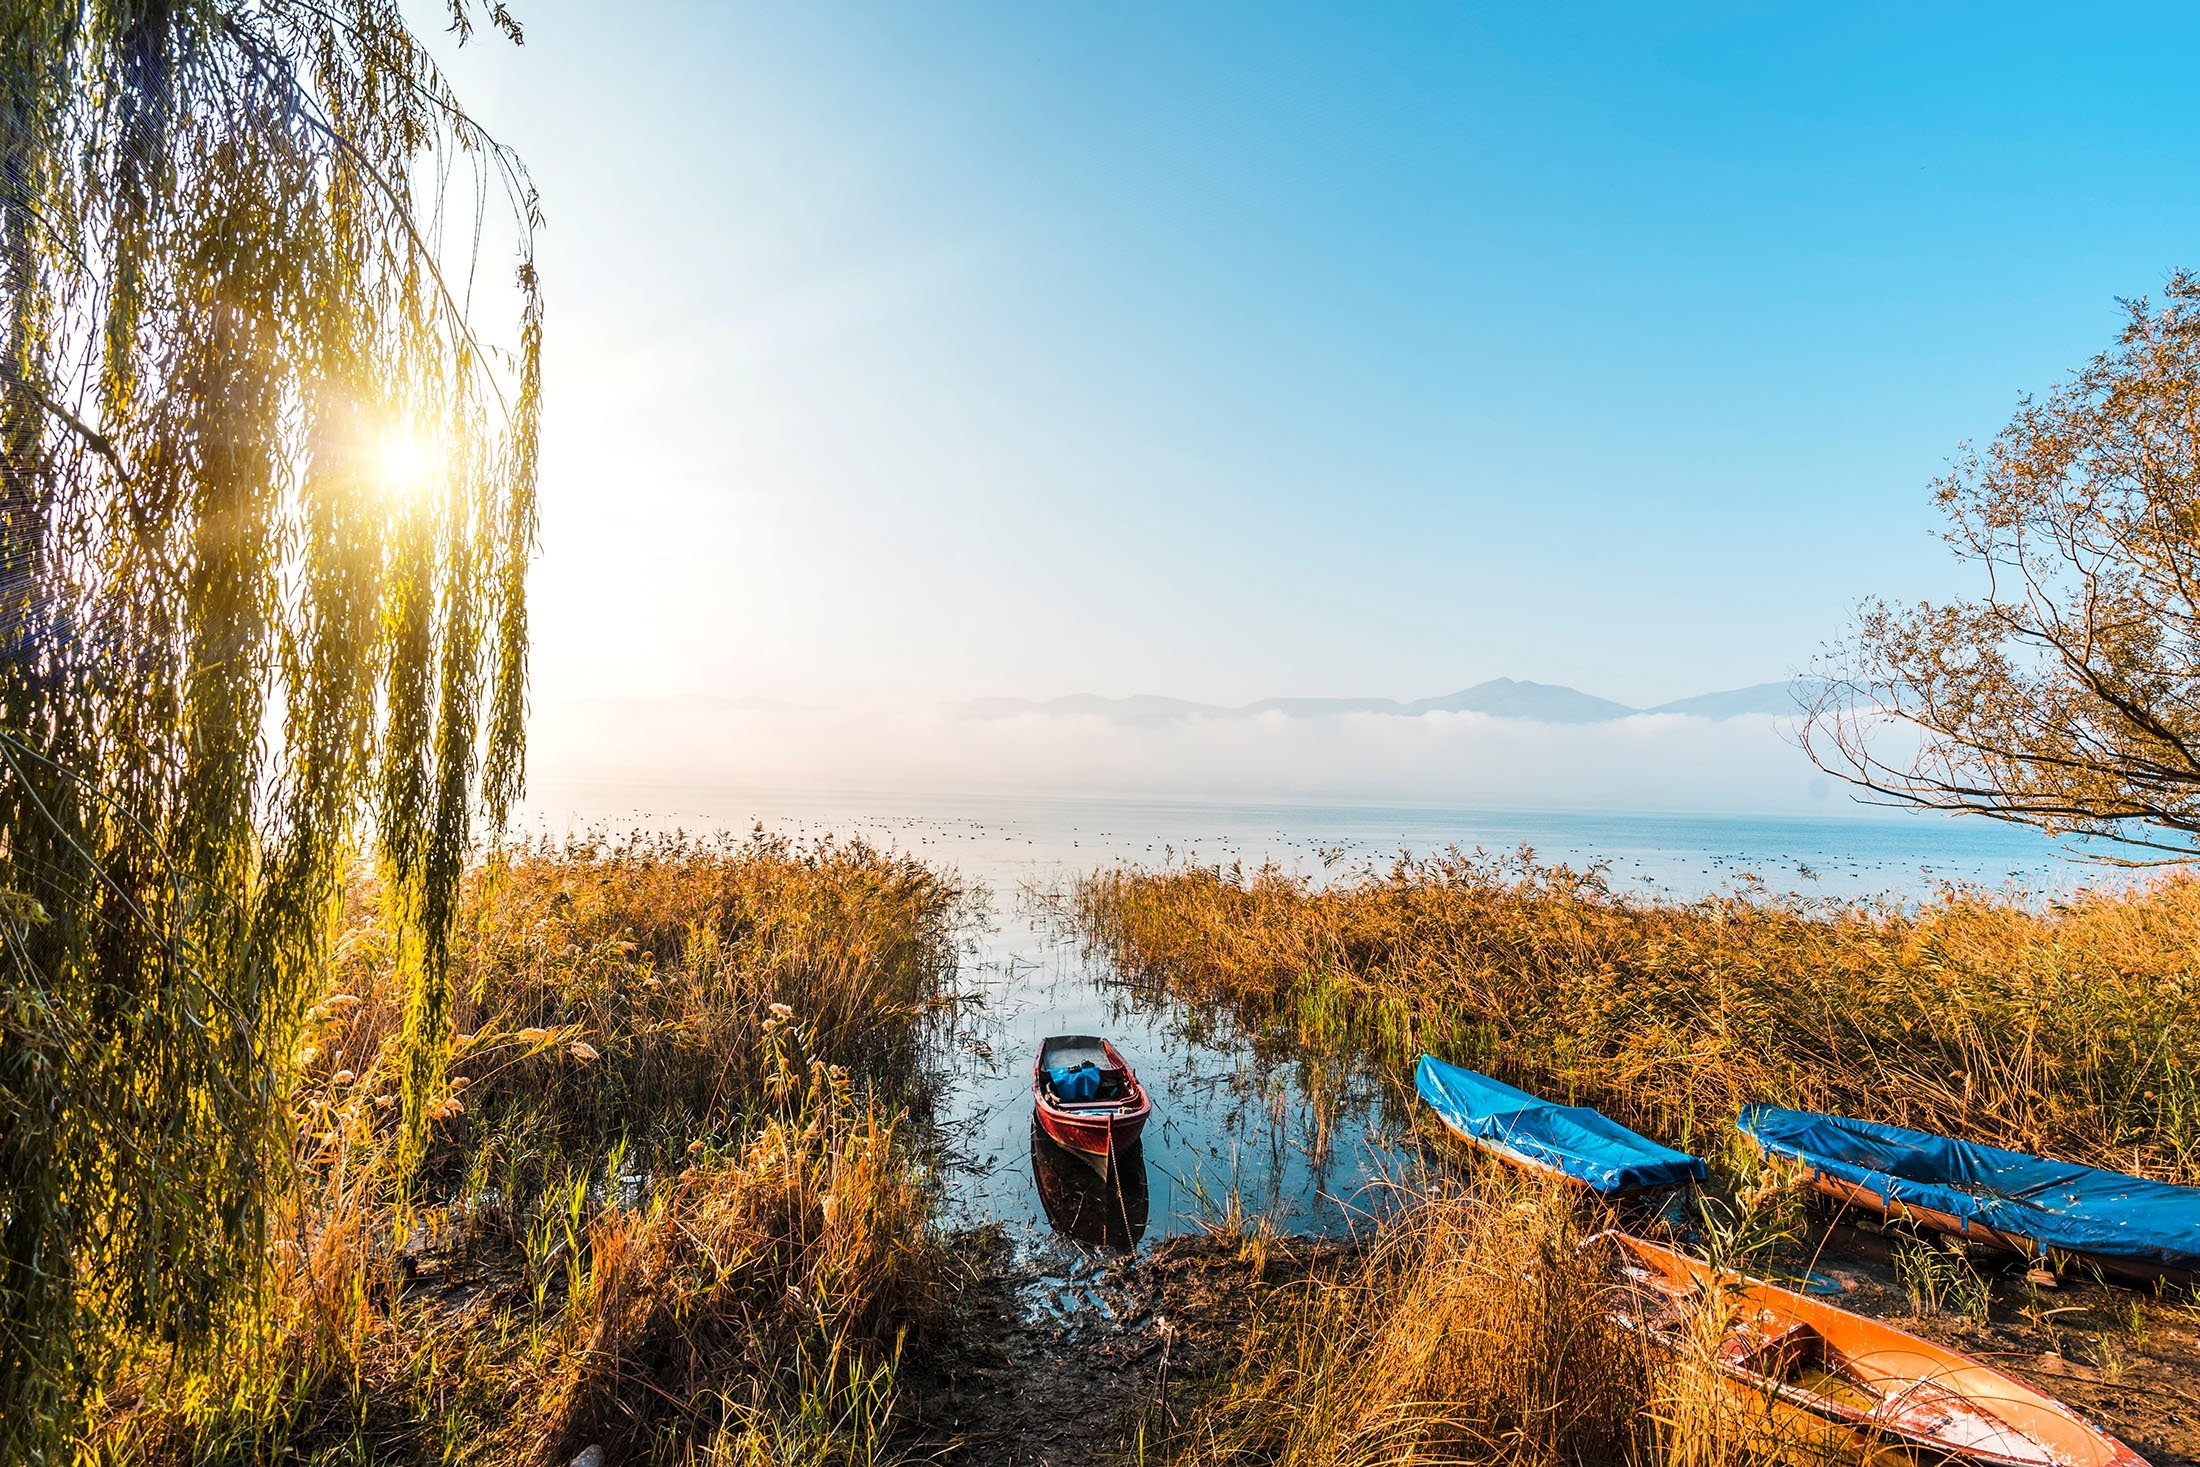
<point x="1222" y="1121"/>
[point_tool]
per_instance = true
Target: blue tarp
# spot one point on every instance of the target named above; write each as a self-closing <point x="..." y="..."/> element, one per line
<point x="1572" y="1139"/>
<point x="1076" y="1082"/>
<point x="2078" y="1209"/>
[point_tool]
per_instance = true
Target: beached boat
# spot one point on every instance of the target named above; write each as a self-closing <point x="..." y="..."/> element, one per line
<point x="1087" y="1097"/>
<point x="1100" y="1211"/>
<point x="2053" y="1211"/>
<point x="1836" y="1382"/>
<point x="1570" y="1141"/>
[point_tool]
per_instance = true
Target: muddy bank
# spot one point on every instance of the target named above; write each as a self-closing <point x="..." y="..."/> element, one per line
<point x="1044" y="1367"/>
<point x="1040" y="1367"/>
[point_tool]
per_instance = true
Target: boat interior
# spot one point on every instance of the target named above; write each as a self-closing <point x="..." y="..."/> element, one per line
<point x="1880" y="1384"/>
<point x="1070" y="1052"/>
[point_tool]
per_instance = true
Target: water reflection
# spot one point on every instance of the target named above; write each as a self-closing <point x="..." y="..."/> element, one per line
<point x="1236" y="1126"/>
<point x="1080" y="1204"/>
<point x="1232" y="1129"/>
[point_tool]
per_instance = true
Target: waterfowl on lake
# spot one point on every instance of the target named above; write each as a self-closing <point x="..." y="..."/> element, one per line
<point x="1087" y="1097"/>
<point x="1839" y="1381"/>
<point x="1571" y="1141"/>
<point x="2123" y="1225"/>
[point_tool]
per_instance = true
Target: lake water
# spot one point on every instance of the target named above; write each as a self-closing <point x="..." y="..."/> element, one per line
<point x="1222" y="1122"/>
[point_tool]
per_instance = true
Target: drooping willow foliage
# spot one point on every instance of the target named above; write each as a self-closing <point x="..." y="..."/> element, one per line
<point x="267" y="505"/>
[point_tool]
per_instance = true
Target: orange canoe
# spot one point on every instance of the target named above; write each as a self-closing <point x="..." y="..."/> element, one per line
<point x="1886" y="1390"/>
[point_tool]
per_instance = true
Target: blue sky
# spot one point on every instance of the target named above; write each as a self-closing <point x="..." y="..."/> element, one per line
<point x="941" y="350"/>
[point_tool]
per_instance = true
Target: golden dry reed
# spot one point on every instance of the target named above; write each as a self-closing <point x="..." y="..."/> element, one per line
<point x="671" y="1204"/>
<point x="1476" y="1328"/>
<point x="2070" y="1028"/>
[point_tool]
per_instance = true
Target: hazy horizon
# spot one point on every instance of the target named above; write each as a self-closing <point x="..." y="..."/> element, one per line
<point x="1745" y="764"/>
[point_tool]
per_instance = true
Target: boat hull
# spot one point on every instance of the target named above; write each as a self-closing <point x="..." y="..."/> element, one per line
<point x="1574" y="1142"/>
<point x="1094" y="1140"/>
<point x="2060" y="1212"/>
<point x="1827" y="1379"/>
<point x="1858" y="1197"/>
<point x="1530" y="1166"/>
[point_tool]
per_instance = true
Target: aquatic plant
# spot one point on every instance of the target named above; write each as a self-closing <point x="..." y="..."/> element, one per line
<point x="1471" y="1327"/>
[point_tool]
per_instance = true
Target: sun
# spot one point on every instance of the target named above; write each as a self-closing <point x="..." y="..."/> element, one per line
<point x="406" y="464"/>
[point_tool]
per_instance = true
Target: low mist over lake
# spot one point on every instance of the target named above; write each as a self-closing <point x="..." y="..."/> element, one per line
<point x="1510" y="745"/>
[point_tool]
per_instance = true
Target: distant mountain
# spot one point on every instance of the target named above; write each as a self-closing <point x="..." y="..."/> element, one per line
<point x="1502" y="697"/>
<point x="1788" y="697"/>
<point x="1323" y="707"/>
<point x="1542" y="702"/>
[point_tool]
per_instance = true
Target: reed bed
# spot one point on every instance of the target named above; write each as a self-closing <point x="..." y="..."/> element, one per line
<point x="1474" y="1329"/>
<point x="672" y="1204"/>
<point x="2070" y="1027"/>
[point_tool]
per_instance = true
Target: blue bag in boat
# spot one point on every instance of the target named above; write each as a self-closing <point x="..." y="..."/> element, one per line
<point x="1078" y="1082"/>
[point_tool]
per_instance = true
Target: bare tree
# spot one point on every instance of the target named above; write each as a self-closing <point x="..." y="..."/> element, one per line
<point x="2067" y="696"/>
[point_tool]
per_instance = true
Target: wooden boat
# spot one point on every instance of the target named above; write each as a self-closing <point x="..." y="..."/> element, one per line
<point x="1581" y="1145"/>
<point x="2123" y="1226"/>
<point x="1096" y="1125"/>
<point x="1836" y="1380"/>
<point x="1102" y="1212"/>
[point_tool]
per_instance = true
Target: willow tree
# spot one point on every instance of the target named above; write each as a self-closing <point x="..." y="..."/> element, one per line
<point x="267" y="507"/>
<point x="2066" y="694"/>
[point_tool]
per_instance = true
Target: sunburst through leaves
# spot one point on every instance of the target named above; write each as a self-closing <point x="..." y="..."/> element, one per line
<point x="268" y="501"/>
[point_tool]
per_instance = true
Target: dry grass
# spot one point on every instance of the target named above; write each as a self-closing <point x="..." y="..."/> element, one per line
<point x="672" y="1203"/>
<point x="619" y="988"/>
<point x="1474" y="1330"/>
<point x="783" y="1276"/>
<point x="2072" y="1028"/>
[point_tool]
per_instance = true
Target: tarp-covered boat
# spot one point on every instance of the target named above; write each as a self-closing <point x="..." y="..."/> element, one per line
<point x="1835" y="1380"/>
<point x="1572" y="1141"/>
<point x="2125" y="1225"/>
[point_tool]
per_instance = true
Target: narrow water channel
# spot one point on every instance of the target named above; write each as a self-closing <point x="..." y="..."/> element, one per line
<point x="1229" y="1129"/>
<point x="1224" y="1126"/>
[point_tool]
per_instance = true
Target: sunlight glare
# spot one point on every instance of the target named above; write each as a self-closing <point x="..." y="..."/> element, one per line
<point x="406" y="464"/>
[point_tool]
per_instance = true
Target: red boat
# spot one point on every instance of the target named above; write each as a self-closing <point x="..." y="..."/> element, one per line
<point x="1087" y="1097"/>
